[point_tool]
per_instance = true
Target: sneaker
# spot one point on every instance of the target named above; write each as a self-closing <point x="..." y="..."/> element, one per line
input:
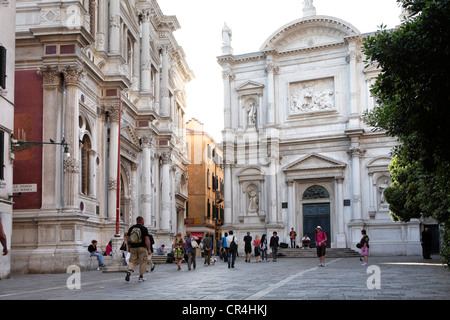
<point x="153" y="268"/>
<point x="127" y="277"/>
<point x="365" y="264"/>
<point x="141" y="279"/>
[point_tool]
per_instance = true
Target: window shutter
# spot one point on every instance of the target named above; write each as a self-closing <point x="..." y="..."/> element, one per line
<point x="3" y="67"/>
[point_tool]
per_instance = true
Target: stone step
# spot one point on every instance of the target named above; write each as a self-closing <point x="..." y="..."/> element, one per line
<point x="312" y="253"/>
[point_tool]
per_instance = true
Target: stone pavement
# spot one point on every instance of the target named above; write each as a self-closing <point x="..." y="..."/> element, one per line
<point x="386" y="278"/>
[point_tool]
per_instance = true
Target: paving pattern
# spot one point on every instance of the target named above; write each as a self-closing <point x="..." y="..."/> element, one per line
<point x="386" y="278"/>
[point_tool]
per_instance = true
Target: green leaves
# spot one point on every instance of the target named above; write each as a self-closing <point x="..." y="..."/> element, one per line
<point x="413" y="95"/>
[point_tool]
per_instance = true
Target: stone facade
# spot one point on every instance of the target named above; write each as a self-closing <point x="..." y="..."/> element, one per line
<point x="90" y="71"/>
<point x="297" y="151"/>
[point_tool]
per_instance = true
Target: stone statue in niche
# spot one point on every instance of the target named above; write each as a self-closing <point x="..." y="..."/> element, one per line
<point x="381" y="187"/>
<point x="253" y="202"/>
<point x="251" y="113"/>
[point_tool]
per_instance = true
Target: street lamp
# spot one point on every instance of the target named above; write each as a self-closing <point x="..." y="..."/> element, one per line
<point x="20" y="145"/>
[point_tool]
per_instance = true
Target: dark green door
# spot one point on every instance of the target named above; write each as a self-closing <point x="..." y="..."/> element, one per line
<point x="314" y="215"/>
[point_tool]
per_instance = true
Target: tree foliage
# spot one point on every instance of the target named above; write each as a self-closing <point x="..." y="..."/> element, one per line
<point x="413" y="95"/>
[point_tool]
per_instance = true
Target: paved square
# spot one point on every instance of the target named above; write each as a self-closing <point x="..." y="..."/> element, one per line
<point x="399" y="278"/>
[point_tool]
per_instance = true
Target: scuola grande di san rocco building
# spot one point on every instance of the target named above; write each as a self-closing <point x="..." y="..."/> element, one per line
<point x="297" y="152"/>
<point x="87" y="71"/>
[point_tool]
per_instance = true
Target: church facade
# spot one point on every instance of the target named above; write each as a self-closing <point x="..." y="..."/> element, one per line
<point x="107" y="78"/>
<point x="297" y="152"/>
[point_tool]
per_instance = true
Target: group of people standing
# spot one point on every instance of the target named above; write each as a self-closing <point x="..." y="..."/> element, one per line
<point x="187" y="248"/>
<point x="258" y="246"/>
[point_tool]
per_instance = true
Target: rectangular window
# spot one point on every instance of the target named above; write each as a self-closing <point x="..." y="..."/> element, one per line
<point x="3" y="67"/>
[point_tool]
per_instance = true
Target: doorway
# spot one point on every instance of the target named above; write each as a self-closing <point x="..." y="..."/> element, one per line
<point x="316" y="214"/>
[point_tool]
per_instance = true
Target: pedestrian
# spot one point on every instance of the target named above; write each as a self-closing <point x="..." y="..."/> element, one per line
<point x="321" y="244"/>
<point x="161" y="251"/>
<point x="264" y="247"/>
<point x="191" y="248"/>
<point x="3" y="239"/>
<point x="248" y="247"/>
<point x="178" y="249"/>
<point x="125" y="251"/>
<point x="94" y="252"/>
<point x="207" y="247"/>
<point x="257" y="245"/>
<point x="231" y="249"/>
<point x="426" y="243"/>
<point x="224" y="250"/>
<point x="138" y="242"/>
<point x="364" y="247"/>
<point x="292" y="235"/>
<point x="274" y="244"/>
<point x="305" y="242"/>
<point x="152" y="242"/>
<point x="108" y="250"/>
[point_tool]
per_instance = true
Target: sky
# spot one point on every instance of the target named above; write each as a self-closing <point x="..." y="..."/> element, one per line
<point x="251" y="22"/>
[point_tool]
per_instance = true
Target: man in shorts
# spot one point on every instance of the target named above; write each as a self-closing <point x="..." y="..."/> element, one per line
<point x="321" y="244"/>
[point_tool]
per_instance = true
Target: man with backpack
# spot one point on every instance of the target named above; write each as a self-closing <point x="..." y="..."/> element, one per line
<point x="138" y="242"/>
<point x="231" y="249"/>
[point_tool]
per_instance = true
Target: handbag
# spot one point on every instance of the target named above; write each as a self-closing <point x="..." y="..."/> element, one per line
<point x="358" y="245"/>
<point x="194" y="243"/>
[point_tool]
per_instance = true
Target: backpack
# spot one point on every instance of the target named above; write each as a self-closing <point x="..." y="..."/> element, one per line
<point x="135" y="235"/>
<point x="233" y="245"/>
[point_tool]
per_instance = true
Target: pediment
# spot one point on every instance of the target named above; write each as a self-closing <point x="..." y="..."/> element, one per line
<point x="307" y="33"/>
<point x="251" y="173"/>
<point x="250" y="86"/>
<point x="130" y="134"/>
<point x="314" y="162"/>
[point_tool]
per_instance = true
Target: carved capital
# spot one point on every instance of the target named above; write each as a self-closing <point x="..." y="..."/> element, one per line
<point x="71" y="165"/>
<point x="112" y="184"/>
<point x="51" y="75"/>
<point x="114" y="113"/>
<point x="72" y="74"/>
<point x="165" y="158"/>
<point x="146" y="141"/>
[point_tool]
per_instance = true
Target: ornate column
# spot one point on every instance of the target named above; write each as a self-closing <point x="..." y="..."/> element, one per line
<point x="165" y="102"/>
<point x="353" y="58"/>
<point x="145" y="53"/>
<point x="270" y="69"/>
<point x="113" y="184"/>
<point x="114" y="27"/>
<point x="52" y="124"/>
<point x="341" y="238"/>
<point x="146" y="199"/>
<point x="227" y="195"/>
<point x="291" y="203"/>
<point x="273" y="191"/>
<point x="226" y="75"/>
<point x="100" y="38"/>
<point x="134" y="187"/>
<point x="93" y="173"/>
<point x="165" y="193"/>
<point x="72" y="77"/>
<point x="356" y="152"/>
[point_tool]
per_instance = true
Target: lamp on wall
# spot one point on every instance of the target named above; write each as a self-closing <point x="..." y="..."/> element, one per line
<point x="20" y="145"/>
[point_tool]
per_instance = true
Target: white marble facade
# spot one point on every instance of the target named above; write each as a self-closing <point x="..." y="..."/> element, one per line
<point x="95" y="56"/>
<point x="297" y="151"/>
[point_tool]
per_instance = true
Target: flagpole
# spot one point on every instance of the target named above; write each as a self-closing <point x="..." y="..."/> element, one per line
<point x="118" y="170"/>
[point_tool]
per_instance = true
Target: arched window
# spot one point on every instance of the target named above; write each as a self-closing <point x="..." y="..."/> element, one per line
<point x="316" y="192"/>
<point x="85" y="164"/>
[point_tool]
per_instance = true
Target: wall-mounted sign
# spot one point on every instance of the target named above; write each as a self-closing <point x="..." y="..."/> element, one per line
<point x="32" y="187"/>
